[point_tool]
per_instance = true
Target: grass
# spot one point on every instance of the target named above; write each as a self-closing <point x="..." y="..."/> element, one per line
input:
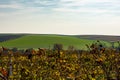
<point x="47" y="41"/>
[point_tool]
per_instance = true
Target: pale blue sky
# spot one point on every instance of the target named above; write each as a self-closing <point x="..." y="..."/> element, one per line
<point x="60" y="16"/>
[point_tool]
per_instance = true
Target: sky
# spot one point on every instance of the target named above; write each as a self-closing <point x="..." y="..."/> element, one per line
<point x="70" y="17"/>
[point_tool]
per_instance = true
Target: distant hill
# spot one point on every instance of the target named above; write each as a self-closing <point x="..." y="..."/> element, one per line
<point x="6" y="37"/>
<point x="99" y="37"/>
<point x="47" y="41"/>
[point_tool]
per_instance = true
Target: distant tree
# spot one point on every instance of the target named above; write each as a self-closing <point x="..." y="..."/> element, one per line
<point x="58" y="48"/>
<point x="14" y="49"/>
<point x="112" y="44"/>
<point x="71" y="48"/>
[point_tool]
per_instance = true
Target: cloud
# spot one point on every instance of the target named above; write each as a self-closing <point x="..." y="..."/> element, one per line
<point x="45" y="2"/>
<point x="22" y="12"/>
<point x="82" y="10"/>
<point x="60" y="6"/>
<point x="102" y="7"/>
<point x="14" y="6"/>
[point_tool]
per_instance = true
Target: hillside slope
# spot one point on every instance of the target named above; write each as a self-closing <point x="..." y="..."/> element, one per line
<point x="47" y="41"/>
<point x="6" y="37"/>
<point x="99" y="37"/>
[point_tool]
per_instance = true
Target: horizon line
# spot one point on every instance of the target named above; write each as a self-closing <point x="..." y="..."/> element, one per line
<point x="58" y="34"/>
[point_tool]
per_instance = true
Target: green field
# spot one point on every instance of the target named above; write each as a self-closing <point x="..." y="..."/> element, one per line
<point x="47" y="41"/>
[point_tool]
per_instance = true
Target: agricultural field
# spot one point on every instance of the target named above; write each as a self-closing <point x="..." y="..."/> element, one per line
<point x="47" y="41"/>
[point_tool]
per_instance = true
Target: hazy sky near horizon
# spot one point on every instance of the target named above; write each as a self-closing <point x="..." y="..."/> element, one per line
<point x="60" y="16"/>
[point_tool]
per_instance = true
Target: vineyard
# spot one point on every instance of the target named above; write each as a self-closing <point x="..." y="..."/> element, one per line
<point x="98" y="63"/>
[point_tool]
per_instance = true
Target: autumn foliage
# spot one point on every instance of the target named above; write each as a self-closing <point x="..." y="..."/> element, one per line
<point x="59" y="64"/>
